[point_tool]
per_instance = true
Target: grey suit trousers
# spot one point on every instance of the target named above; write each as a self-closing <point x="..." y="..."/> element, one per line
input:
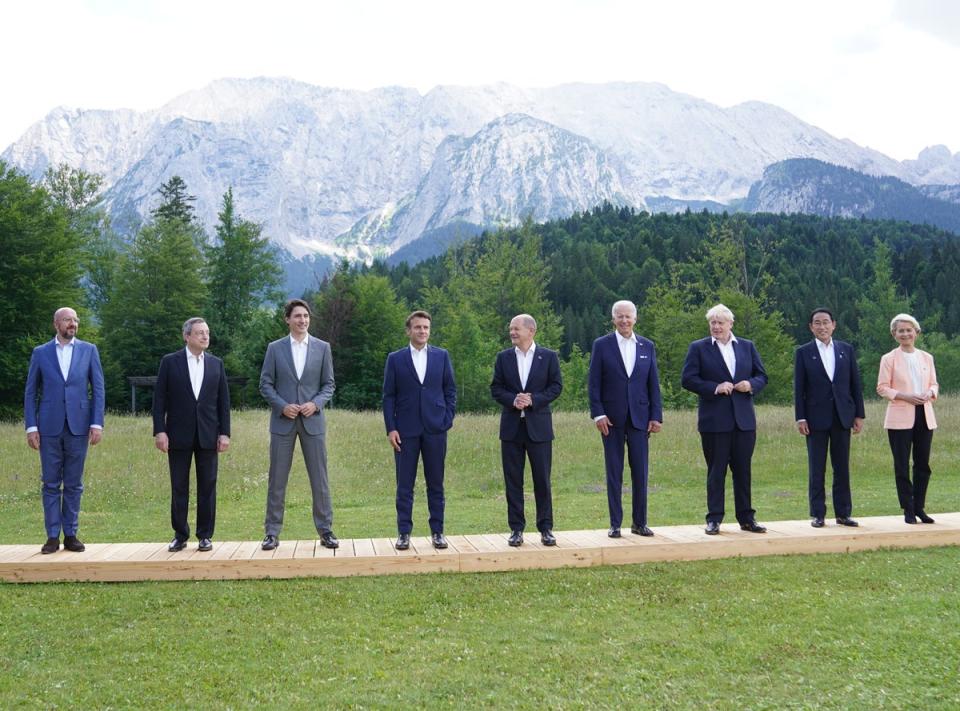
<point x="281" y="459"/>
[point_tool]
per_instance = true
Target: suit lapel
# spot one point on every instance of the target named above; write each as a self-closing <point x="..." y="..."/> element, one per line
<point x="208" y="376"/>
<point x="185" y="372"/>
<point x="407" y="359"/>
<point x="52" y="357"/>
<point x="717" y="356"/>
<point x="286" y="352"/>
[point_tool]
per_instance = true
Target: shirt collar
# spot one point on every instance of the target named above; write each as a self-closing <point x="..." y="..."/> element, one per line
<point x="621" y="340"/>
<point x="416" y="352"/>
<point x="823" y="346"/>
<point x="530" y="350"/>
<point x="191" y="355"/>
<point x="296" y="343"/>
<point x="56" y="342"/>
<point x="733" y="339"/>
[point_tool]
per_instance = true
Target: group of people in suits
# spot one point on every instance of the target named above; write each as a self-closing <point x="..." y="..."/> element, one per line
<point x="64" y="413"/>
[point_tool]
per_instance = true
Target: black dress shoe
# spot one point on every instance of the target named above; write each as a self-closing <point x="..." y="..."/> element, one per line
<point x="817" y="522"/>
<point x="921" y="514"/>
<point x="51" y="546"/>
<point x="73" y="544"/>
<point x="641" y="531"/>
<point x="516" y="538"/>
<point x="176" y="545"/>
<point x="713" y="528"/>
<point x="613" y="532"/>
<point x="328" y="540"/>
<point x="547" y="538"/>
<point x="269" y="542"/>
<point x="847" y="521"/>
<point x="438" y="540"/>
<point x="753" y="527"/>
<point x="403" y="542"/>
<point x="205" y="545"/>
<point x="909" y="517"/>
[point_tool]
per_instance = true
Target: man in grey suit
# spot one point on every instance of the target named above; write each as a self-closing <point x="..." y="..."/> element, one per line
<point x="297" y="381"/>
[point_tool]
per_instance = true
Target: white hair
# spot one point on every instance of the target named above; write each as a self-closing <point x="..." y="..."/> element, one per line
<point x="527" y="320"/>
<point x="904" y="317"/>
<point x="721" y="312"/>
<point x="622" y="302"/>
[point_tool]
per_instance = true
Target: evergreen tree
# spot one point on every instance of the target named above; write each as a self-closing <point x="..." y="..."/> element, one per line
<point x="39" y="273"/>
<point x="78" y="193"/>
<point x="243" y="276"/>
<point x="879" y="303"/>
<point x="176" y="203"/>
<point x="158" y="286"/>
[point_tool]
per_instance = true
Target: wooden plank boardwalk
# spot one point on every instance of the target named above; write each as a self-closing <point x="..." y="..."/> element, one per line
<point x="233" y="560"/>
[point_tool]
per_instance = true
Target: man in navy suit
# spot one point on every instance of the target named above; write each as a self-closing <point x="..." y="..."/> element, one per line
<point x="625" y="403"/>
<point x="526" y="379"/>
<point x="828" y="401"/>
<point x="63" y="405"/>
<point x="726" y="373"/>
<point x="191" y="422"/>
<point x="419" y="402"/>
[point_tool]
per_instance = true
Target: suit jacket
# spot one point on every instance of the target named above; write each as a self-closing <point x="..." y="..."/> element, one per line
<point x="183" y="416"/>
<point x="412" y="408"/>
<point x="815" y="396"/>
<point x="614" y="393"/>
<point x="544" y="384"/>
<point x="280" y="385"/>
<point x="704" y="369"/>
<point x="49" y="400"/>
<point x="894" y="377"/>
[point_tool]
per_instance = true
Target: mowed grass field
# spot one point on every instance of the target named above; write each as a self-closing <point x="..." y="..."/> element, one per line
<point x="871" y="630"/>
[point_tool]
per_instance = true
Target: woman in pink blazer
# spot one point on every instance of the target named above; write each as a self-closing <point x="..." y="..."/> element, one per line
<point x="908" y="379"/>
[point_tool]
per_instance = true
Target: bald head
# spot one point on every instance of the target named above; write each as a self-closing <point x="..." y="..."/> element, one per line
<point x="65" y="322"/>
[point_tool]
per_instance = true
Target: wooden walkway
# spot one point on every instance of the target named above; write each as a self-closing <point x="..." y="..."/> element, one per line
<point x="231" y="560"/>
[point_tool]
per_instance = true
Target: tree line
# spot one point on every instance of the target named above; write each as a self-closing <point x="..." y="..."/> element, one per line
<point x="58" y="248"/>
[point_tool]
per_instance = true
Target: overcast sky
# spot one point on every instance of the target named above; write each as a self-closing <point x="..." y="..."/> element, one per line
<point x="882" y="73"/>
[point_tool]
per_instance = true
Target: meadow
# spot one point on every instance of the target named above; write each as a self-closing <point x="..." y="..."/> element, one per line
<point x="876" y="630"/>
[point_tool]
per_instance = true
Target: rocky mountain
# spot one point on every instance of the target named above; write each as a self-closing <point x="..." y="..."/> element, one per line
<point x="817" y="188"/>
<point x="336" y="173"/>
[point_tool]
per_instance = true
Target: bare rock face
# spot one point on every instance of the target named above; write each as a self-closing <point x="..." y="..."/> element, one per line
<point x="349" y="173"/>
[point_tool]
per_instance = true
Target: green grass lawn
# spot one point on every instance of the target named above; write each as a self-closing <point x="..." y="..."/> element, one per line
<point x="868" y="630"/>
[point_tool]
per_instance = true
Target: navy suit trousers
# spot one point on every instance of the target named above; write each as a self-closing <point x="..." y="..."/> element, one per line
<point x="837" y="439"/>
<point x="733" y="449"/>
<point x="637" y="444"/>
<point x="432" y="448"/>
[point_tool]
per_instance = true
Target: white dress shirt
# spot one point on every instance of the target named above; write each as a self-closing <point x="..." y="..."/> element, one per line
<point x="64" y="356"/>
<point x="729" y="355"/>
<point x="524" y="361"/>
<point x="628" y="351"/>
<point x="419" y="362"/>
<point x="195" y="366"/>
<point x="299" y="351"/>
<point x="828" y="357"/>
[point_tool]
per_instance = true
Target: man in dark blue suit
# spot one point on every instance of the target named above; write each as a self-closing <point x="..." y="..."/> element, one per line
<point x="191" y="421"/>
<point x="625" y="403"/>
<point x="726" y="372"/>
<point x="526" y="379"/>
<point x="419" y="403"/>
<point x="828" y="401"/>
<point x="63" y="405"/>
